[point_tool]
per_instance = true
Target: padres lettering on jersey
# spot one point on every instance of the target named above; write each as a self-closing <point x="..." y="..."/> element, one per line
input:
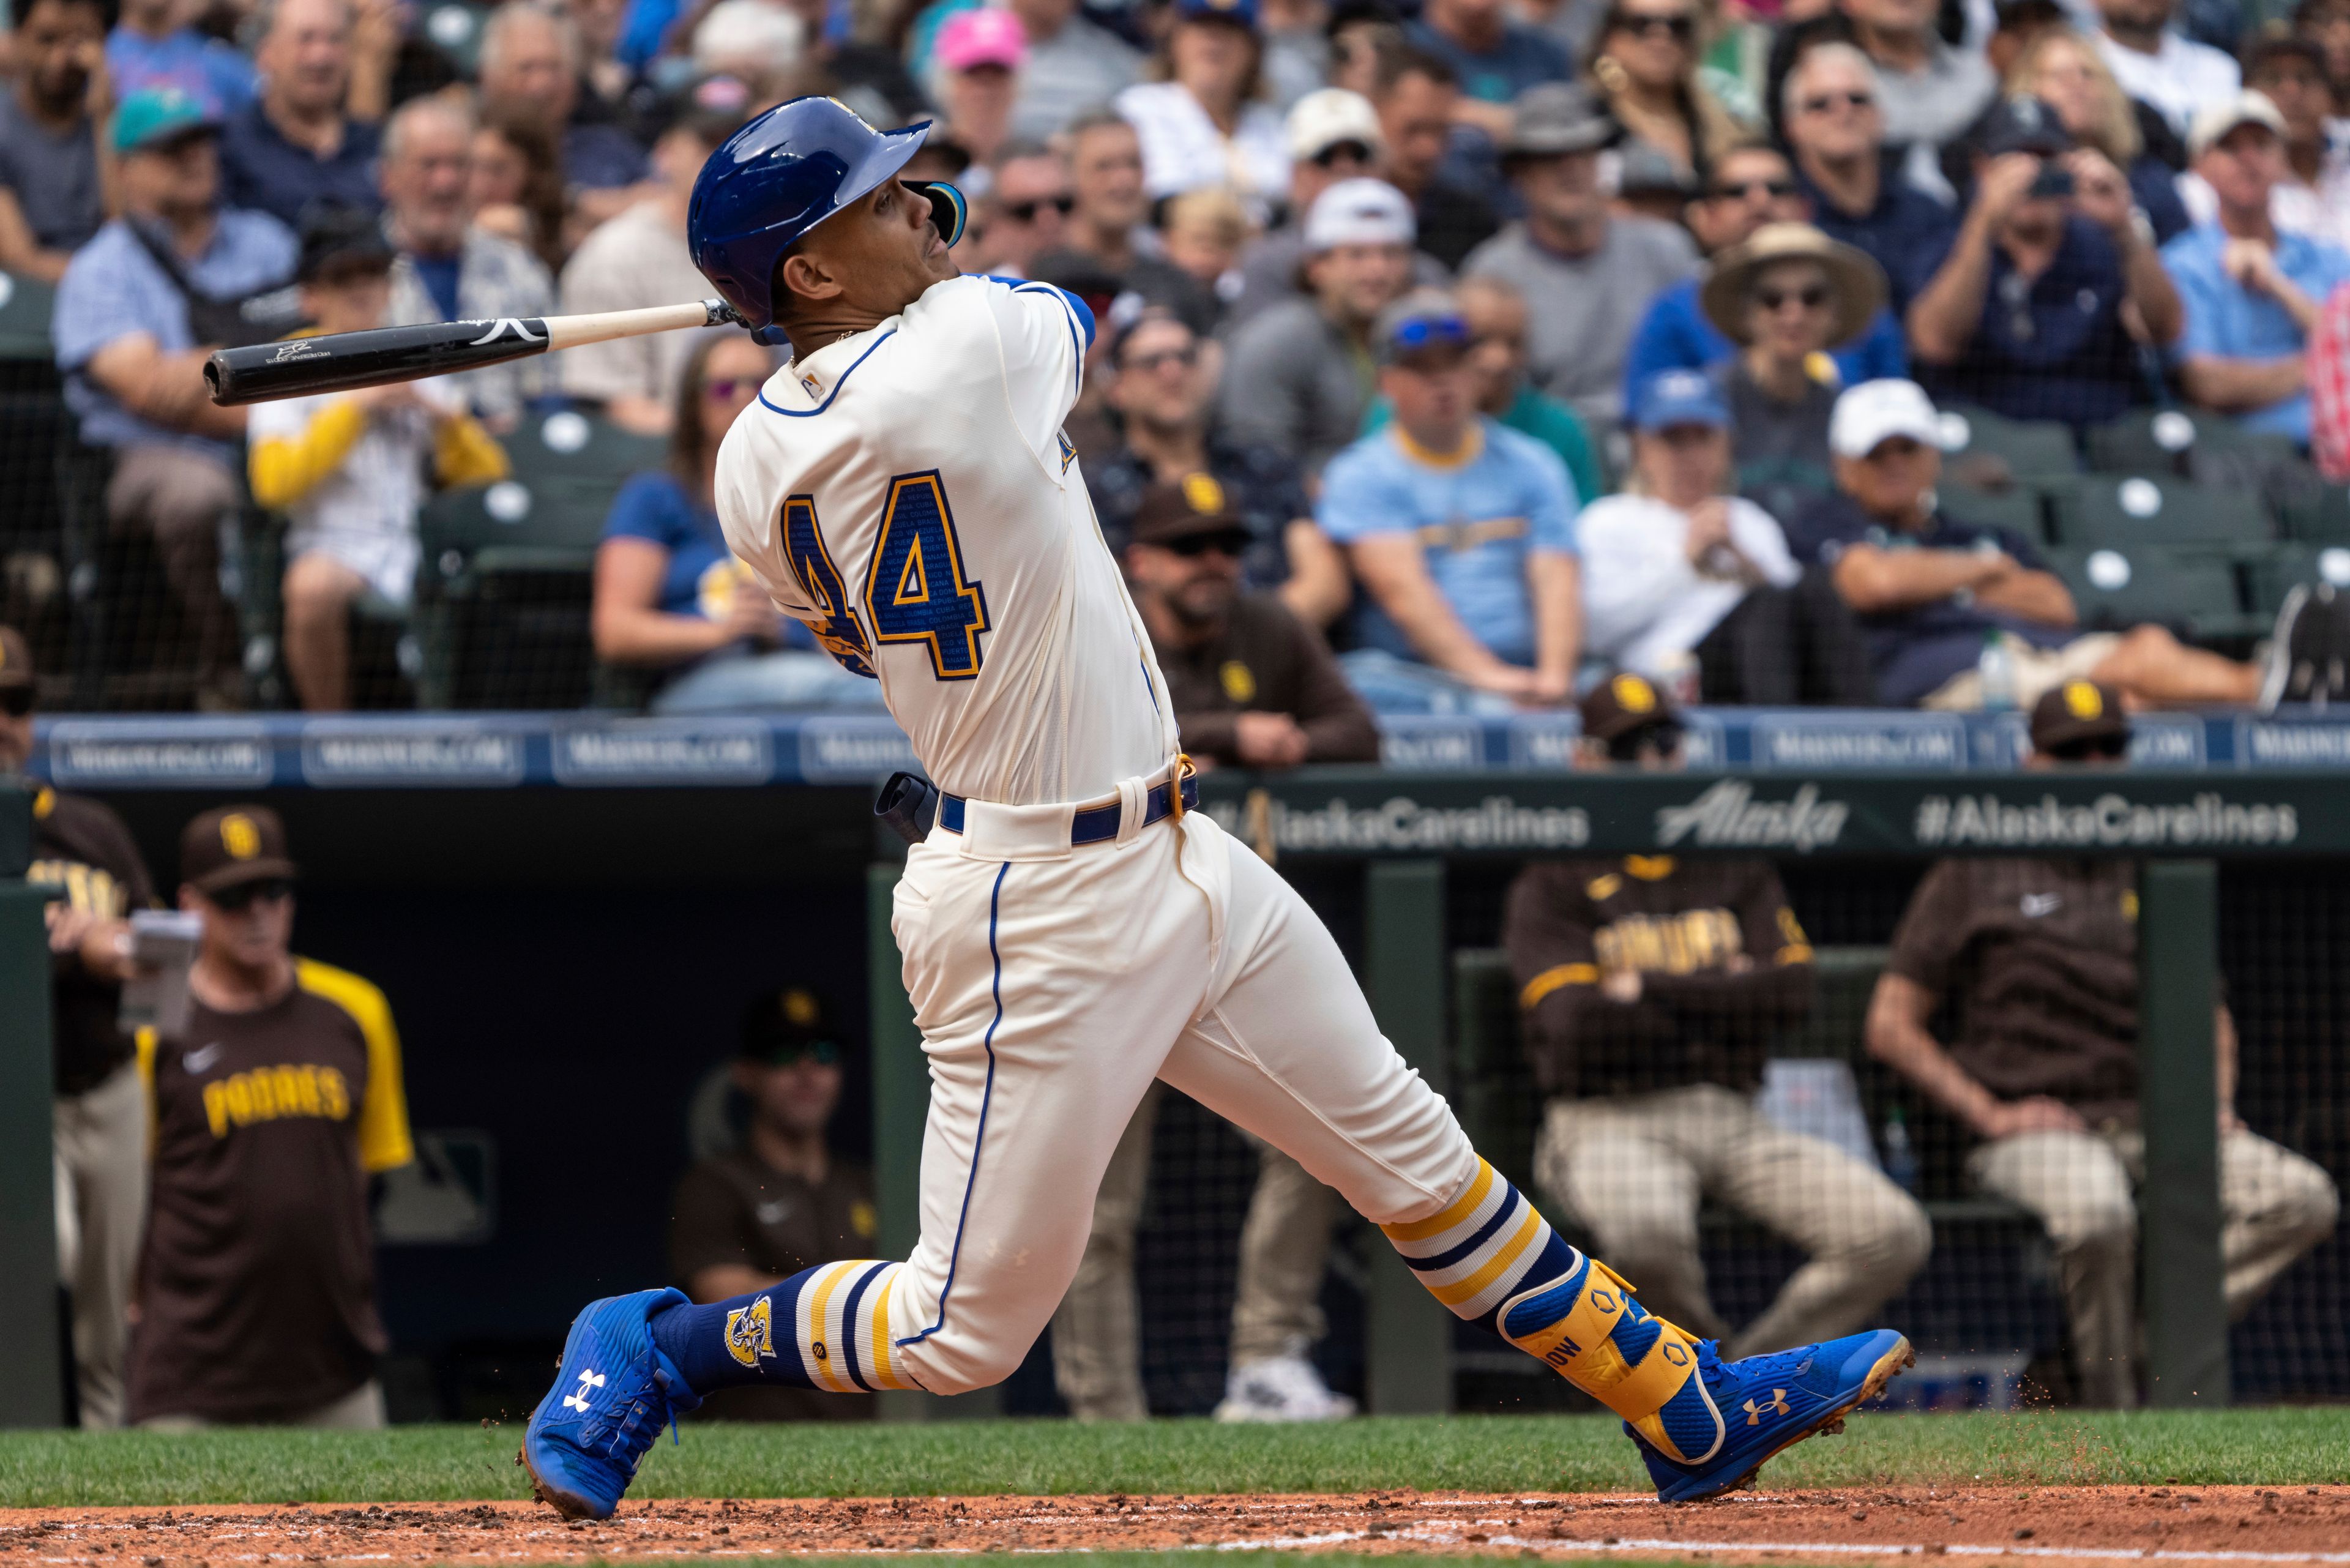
<point x="908" y="495"/>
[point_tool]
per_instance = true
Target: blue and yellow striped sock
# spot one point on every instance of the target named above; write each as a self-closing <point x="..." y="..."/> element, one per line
<point x="1493" y="1257"/>
<point x="825" y="1327"/>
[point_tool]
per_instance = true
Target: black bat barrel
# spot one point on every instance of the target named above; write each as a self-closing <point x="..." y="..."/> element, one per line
<point x="301" y="366"/>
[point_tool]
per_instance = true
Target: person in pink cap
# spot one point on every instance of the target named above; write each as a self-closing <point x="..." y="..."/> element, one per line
<point x="979" y="55"/>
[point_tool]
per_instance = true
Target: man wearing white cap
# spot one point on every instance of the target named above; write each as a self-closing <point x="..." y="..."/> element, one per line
<point x="1300" y="372"/>
<point x="1933" y="594"/>
<point x="2251" y="291"/>
<point x="1334" y="135"/>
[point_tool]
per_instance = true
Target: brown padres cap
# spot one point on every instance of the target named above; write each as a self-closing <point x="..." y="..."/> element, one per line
<point x="1624" y="703"/>
<point x="1195" y="503"/>
<point x="16" y="657"/>
<point x="2077" y="711"/>
<point x="232" y="844"/>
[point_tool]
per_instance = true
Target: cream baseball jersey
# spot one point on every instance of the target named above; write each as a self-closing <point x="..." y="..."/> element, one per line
<point x="907" y="493"/>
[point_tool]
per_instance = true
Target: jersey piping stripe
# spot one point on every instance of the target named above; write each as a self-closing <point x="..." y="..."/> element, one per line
<point x="1076" y="347"/>
<point x="811" y="413"/>
<point x="986" y="1095"/>
<point x="849" y="1320"/>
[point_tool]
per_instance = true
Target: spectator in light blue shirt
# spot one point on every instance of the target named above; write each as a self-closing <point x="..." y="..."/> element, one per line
<point x="149" y="46"/>
<point x="2251" y="291"/>
<point x="1462" y="532"/>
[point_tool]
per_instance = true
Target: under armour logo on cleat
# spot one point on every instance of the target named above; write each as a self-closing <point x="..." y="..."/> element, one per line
<point x="1777" y="1404"/>
<point x="591" y="1381"/>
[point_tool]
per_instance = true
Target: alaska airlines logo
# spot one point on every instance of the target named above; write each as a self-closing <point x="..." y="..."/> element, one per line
<point x="1728" y="815"/>
<point x="507" y="326"/>
<point x="750" y="1332"/>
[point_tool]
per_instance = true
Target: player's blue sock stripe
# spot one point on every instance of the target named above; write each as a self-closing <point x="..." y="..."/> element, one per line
<point x="1503" y="1212"/>
<point x="986" y="1095"/>
<point x="852" y="1326"/>
<point x="695" y="1341"/>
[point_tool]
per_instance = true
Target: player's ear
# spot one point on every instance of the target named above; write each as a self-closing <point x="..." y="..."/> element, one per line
<point x="802" y="274"/>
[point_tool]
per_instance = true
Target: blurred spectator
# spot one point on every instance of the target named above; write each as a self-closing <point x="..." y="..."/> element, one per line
<point x="296" y="145"/>
<point x="1496" y="316"/>
<point x="1074" y="65"/>
<point x="2312" y="197"/>
<point x="782" y="1201"/>
<point x="2329" y="386"/>
<point x="153" y="47"/>
<point x="1105" y="220"/>
<point x="1783" y="297"/>
<point x="604" y="78"/>
<point x="1492" y="58"/>
<point x="1334" y="135"/>
<point x="1297" y="379"/>
<point x="979" y="55"/>
<point x="530" y="71"/>
<point x="1752" y="185"/>
<point x="1202" y="115"/>
<point x="1251" y="685"/>
<point x="1649" y="184"/>
<point x="2251" y="290"/>
<point x="515" y="187"/>
<point x="1297" y="49"/>
<point x="1646" y="69"/>
<point x="1419" y="101"/>
<point x="348" y="468"/>
<point x="1586" y="274"/>
<point x="1930" y="90"/>
<point x="2062" y="69"/>
<point x="256" y="1287"/>
<point x="1462" y="532"/>
<point x="53" y="147"/>
<point x="640" y="259"/>
<point x="100" y="1114"/>
<point x="1162" y="384"/>
<point x="2156" y="66"/>
<point x="2326" y="23"/>
<point x="755" y="41"/>
<point x="139" y="308"/>
<point x="2051" y="282"/>
<point x="1202" y="232"/>
<point x="1835" y="128"/>
<point x="1650" y="989"/>
<point x="2034" y="965"/>
<point x="1934" y="593"/>
<point x="1029" y="205"/>
<point x="449" y="267"/>
<point x="669" y="595"/>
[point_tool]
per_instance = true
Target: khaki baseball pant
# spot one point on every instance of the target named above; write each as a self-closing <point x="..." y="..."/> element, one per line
<point x="1633" y="1168"/>
<point x="101" y="1195"/>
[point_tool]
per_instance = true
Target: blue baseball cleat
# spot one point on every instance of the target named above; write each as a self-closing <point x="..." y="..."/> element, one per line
<point x="614" y="1391"/>
<point x="1769" y="1402"/>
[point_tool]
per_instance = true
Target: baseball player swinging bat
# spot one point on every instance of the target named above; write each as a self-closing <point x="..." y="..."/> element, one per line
<point x="343" y="361"/>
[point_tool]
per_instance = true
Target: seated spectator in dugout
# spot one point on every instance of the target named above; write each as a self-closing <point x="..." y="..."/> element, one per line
<point x="780" y="1201"/>
<point x="671" y="599"/>
<point x="1251" y="685"/>
<point x="2252" y="289"/>
<point x="1934" y="593"/>
<point x="2051" y="284"/>
<point x="2034" y="965"/>
<point x="1691" y="587"/>
<point x="349" y="469"/>
<point x="1783" y="296"/>
<point x="1461" y="533"/>
<point x="1649" y="989"/>
<point x="256" y="1289"/>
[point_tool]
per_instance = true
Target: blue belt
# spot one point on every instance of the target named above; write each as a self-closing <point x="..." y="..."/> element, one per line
<point x="1094" y="824"/>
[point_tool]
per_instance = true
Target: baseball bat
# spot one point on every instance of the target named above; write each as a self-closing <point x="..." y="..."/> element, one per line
<point x="340" y="361"/>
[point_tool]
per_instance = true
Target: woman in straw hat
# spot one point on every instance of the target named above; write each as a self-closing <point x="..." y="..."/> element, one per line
<point x="1785" y="297"/>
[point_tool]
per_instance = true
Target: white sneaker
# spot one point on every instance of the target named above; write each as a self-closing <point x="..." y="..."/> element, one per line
<point x="1281" y="1388"/>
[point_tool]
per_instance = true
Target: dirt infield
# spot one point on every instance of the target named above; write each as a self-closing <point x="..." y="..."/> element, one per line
<point x="2049" y="1526"/>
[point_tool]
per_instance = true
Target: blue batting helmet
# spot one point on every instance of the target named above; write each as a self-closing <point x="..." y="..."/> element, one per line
<point x="781" y="176"/>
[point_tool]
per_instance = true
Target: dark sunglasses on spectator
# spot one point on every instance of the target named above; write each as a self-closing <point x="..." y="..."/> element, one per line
<point x="16" y="700"/>
<point x="1811" y="297"/>
<point x="1430" y="331"/>
<point x="1354" y="152"/>
<point x="1681" y="26"/>
<point x="1026" y="212"/>
<point x="1828" y="100"/>
<point x="1664" y="740"/>
<point x="1778" y="190"/>
<point x="1186" y="356"/>
<point x="2091" y="749"/>
<point x="1233" y="542"/>
<point x="236" y="899"/>
<point x="726" y="389"/>
<point x="822" y="1052"/>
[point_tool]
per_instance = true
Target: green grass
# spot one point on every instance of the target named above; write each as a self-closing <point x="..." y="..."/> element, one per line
<point x="1484" y="1453"/>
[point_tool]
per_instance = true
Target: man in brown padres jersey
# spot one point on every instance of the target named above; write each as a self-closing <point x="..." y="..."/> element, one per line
<point x="257" y="1290"/>
<point x="100" y="1116"/>
<point x="779" y="1203"/>
<point x="1651" y="988"/>
<point x="2034" y="966"/>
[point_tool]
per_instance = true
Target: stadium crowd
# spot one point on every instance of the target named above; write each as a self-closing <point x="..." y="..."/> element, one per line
<point x="1783" y="353"/>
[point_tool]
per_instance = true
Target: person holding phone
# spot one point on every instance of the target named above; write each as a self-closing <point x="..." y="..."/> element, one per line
<point x="2051" y="282"/>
